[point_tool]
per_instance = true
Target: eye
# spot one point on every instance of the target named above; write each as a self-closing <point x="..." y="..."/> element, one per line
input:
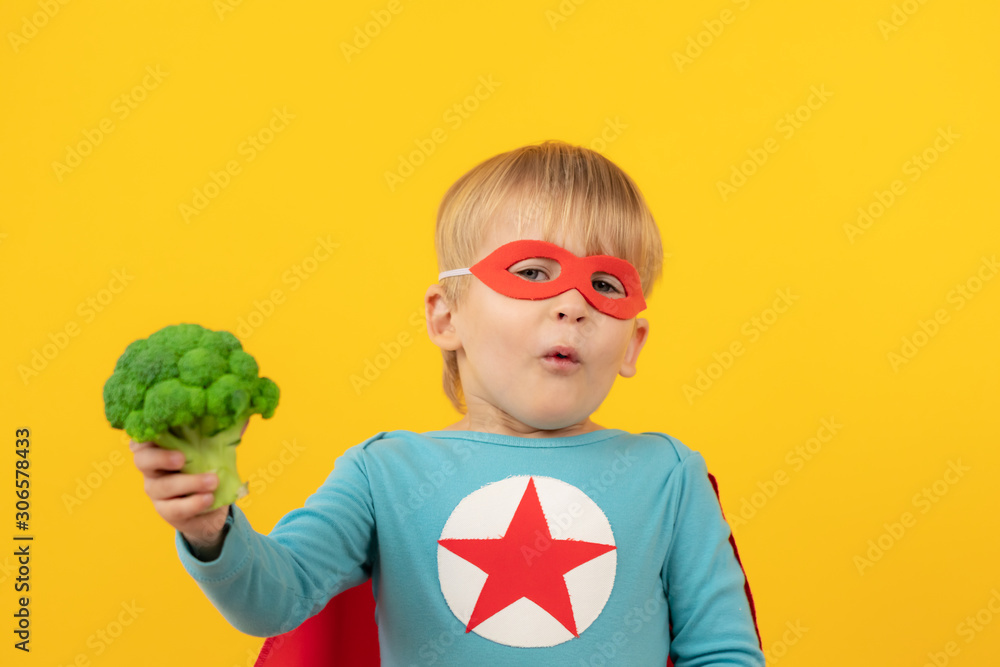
<point x="536" y="269"/>
<point x="530" y="274"/>
<point x="608" y="286"/>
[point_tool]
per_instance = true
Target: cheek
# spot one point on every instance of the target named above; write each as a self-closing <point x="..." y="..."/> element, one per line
<point x="496" y="327"/>
<point x="616" y="343"/>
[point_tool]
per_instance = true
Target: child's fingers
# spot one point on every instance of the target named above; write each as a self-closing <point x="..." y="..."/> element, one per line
<point x="154" y="461"/>
<point x="179" y="510"/>
<point x="174" y="485"/>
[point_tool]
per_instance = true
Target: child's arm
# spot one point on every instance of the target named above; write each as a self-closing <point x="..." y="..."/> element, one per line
<point x="266" y="585"/>
<point x="703" y="580"/>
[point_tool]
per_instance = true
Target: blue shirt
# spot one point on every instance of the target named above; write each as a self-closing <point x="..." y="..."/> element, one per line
<point x="601" y="548"/>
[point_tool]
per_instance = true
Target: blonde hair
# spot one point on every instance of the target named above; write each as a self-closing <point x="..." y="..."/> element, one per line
<point x="560" y="185"/>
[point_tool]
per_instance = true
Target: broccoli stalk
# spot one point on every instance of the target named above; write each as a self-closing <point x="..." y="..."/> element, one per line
<point x="215" y="453"/>
<point x="194" y="390"/>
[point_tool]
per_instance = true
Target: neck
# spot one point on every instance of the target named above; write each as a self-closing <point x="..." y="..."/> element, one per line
<point x="494" y="420"/>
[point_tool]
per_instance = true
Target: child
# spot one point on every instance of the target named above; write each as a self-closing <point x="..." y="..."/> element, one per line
<point x="524" y="533"/>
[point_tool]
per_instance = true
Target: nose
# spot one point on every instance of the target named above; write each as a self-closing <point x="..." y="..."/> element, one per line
<point x="570" y="304"/>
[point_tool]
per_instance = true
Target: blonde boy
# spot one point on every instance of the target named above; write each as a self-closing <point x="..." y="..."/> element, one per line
<point x="524" y="533"/>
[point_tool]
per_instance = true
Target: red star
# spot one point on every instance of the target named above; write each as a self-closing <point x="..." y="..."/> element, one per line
<point x="525" y="563"/>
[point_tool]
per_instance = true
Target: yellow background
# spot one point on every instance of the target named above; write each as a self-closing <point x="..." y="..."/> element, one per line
<point x="567" y="71"/>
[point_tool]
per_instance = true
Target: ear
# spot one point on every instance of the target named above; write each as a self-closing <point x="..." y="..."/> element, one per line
<point x="438" y="312"/>
<point x="635" y="346"/>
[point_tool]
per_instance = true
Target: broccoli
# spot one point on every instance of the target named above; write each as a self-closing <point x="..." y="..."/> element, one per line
<point x="191" y="389"/>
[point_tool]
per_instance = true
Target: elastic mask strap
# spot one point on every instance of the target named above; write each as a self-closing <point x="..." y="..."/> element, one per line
<point x="454" y="272"/>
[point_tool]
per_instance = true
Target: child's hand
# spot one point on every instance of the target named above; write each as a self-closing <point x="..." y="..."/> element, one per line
<point x="182" y="499"/>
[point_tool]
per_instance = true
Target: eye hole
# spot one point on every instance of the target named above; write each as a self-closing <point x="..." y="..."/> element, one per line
<point x="536" y="270"/>
<point x="607" y="285"/>
<point x="531" y="274"/>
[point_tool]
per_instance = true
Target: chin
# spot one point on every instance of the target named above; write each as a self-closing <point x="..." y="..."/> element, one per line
<point x="552" y="420"/>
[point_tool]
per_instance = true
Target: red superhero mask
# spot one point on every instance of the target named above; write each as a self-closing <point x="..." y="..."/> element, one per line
<point x="579" y="273"/>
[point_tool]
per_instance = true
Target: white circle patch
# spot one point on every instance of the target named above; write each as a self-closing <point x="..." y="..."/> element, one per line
<point x="527" y="561"/>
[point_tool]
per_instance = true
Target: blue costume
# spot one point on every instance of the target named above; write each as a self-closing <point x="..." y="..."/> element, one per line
<point x="601" y="548"/>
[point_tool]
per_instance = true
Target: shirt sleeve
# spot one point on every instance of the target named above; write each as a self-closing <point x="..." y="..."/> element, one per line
<point x="266" y="585"/>
<point x="703" y="580"/>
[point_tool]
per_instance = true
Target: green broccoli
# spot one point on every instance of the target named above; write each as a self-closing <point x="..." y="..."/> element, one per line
<point x="192" y="389"/>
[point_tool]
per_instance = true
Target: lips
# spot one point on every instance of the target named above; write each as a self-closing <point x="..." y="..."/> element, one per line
<point x="562" y="352"/>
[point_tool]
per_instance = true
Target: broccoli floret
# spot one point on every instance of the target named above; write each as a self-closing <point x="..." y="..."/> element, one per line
<point x="191" y="389"/>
